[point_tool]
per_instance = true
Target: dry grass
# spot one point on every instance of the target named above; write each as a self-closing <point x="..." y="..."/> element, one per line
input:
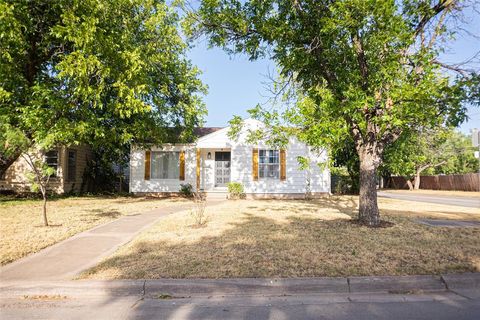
<point x="21" y="232"/>
<point x="471" y="194"/>
<point x="298" y="239"/>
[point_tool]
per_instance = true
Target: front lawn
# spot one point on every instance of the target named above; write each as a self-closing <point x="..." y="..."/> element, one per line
<point x="22" y="233"/>
<point x="298" y="239"/>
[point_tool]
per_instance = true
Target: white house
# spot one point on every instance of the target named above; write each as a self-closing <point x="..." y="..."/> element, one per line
<point x="214" y="160"/>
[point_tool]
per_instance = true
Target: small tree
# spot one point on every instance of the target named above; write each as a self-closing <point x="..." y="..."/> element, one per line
<point x="39" y="177"/>
<point x="198" y="211"/>
<point x="418" y="152"/>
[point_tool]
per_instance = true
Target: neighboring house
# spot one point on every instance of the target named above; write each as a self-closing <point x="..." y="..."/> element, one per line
<point x="69" y="164"/>
<point x="214" y="160"/>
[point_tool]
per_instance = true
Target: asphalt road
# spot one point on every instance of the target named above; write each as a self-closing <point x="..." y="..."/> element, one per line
<point x="449" y="200"/>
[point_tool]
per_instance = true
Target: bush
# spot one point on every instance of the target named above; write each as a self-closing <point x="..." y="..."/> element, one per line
<point x="198" y="211"/>
<point x="186" y="190"/>
<point x="235" y="190"/>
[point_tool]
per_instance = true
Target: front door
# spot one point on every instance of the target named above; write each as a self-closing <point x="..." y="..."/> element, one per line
<point x="222" y="168"/>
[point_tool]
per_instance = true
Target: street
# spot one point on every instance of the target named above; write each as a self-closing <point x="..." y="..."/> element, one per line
<point x="449" y="200"/>
<point x="402" y="297"/>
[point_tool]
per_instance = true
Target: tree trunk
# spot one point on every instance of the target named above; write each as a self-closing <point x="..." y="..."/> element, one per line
<point x="417" y="181"/>
<point x="409" y="184"/>
<point x="368" y="207"/>
<point x="45" y="220"/>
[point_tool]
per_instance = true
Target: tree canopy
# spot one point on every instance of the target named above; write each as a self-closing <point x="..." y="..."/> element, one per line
<point x="439" y="151"/>
<point x="369" y="69"/>
<point x="99" y="72"/>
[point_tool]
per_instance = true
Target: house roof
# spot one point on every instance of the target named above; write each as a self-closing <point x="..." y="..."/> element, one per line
<point x="203" y="131"/>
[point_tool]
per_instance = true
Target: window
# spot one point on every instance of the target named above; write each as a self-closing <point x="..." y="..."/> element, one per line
<point x="51" y="159"/>
<point x="72" y="165"/>
<point x="268" y="164"/>
<point x="165" y="165"/>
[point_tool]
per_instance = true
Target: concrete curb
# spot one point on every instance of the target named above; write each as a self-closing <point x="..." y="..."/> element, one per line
<point x="240" y="287"/>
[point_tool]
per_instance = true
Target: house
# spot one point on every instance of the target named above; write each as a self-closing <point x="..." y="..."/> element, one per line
<point x="214" y="160"/>
<point x="69" y="164"/>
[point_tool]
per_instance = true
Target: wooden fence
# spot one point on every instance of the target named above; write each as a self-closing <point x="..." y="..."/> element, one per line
<point x="459" y="182"/>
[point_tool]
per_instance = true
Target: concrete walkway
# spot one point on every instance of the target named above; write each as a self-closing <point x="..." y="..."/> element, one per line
<point x="64" y="260"/>
<point x="451" y="296"/>
<point x="470" y="202"/>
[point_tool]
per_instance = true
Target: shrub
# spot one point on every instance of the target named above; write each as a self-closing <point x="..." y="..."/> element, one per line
<point x="186" y="190"/>
<point x="198" y="211"/>
<point x="235" y="190"/>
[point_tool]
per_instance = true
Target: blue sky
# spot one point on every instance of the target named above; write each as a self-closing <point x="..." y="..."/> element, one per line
<point x="237" y="84"/>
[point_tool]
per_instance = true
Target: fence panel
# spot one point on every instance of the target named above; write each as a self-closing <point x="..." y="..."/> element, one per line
<point x="458" y="182"/>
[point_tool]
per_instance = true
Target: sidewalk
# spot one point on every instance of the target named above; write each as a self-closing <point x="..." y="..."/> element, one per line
<point x="395" y="285"/>
<point x="406" y="297"/>
<point x="66" y="259"/>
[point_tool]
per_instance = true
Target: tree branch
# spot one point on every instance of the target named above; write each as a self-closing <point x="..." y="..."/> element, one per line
<point x="434" y="11"/>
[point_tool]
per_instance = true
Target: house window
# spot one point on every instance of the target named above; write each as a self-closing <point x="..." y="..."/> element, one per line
<point x="165" y="165"/>
<point x="51" y="159"/>
<point x="72" y="165"/>
<point x="268" y="164"/>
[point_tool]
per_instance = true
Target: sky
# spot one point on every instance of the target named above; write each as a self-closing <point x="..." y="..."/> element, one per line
<point x="236" y="84"/>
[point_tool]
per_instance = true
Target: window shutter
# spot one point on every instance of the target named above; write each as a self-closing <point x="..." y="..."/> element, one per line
<point x="147" y="165"/>
<point x="182" y="165"/>
<point x="255" y="164"/>
<point x="283" y="165"/>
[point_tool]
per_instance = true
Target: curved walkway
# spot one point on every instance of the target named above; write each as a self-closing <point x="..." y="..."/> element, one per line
<point x="68" y="258"/>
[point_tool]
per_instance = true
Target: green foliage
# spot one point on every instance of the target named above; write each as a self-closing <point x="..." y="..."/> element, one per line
<point x="186" y="190"/>
<point x="236" y="190"/>
<point x="440" y="151"/>
<point x="39" y="173"/>
<point x="356" y="64"/>
<point x="101" y="72"/>
<point x="364" y="69"/>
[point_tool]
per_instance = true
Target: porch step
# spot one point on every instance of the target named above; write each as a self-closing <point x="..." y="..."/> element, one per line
<point x="216" y="194"/>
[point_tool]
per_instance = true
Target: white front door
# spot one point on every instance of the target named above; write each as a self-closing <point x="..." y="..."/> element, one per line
<point x="222" y="168"/>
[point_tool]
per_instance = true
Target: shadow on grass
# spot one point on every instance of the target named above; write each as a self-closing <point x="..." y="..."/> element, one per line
<point x="298" y="246"/>
<point x="101" y="213"/>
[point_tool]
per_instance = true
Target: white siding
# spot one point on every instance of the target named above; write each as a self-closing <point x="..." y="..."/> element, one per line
<point x="137" y="171"/>
<point x="241" y="167"/>
<point x="297" y="179"/>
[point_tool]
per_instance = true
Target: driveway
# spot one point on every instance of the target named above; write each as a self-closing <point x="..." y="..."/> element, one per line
<point x="448" y="200"/>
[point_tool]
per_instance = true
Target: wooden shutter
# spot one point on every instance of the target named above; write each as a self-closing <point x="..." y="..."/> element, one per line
<point x="147" y="165"/>
<point x="198" y="169"/>
<point x="255" y="164"/>
<point x="283" y="165"/>
<point x="182" y="165"/>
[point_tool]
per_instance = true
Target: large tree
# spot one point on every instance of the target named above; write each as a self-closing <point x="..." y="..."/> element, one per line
<point x="97" y="72"/>
<point x="364" y="68"/>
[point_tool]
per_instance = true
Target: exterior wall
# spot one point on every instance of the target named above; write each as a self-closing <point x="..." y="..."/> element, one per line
<point x="315" y="180"/>
<point x="138" y="184"/>
<point x="84" y="154"/>
<point x="16" y="176"/>
<point x="298" y="181"/>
